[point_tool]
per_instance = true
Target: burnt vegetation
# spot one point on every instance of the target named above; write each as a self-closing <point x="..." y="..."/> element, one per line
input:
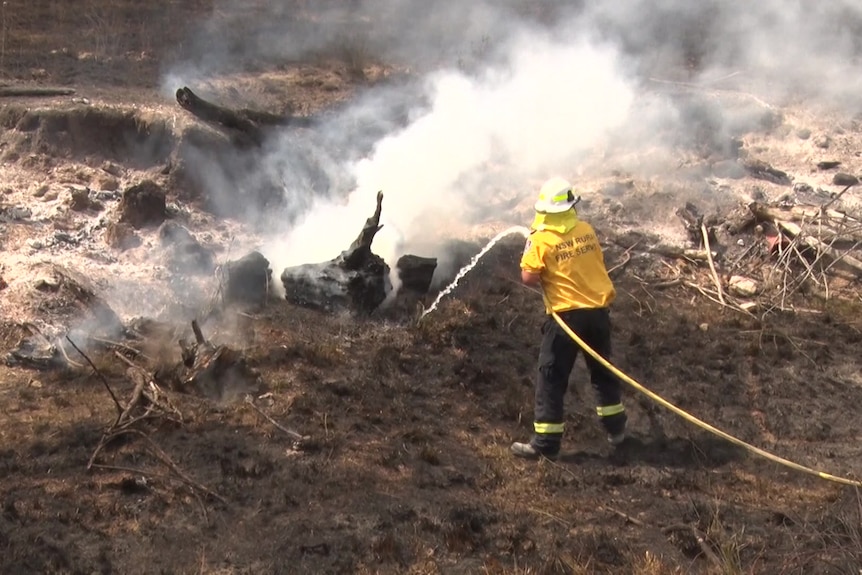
<point x="297" y="420"/>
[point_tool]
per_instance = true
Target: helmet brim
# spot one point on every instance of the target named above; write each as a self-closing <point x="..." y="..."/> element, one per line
<point x="544" y="207"/>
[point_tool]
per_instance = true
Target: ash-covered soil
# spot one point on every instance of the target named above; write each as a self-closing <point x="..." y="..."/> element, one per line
<point x="406" y="467"/>
<point x="405" y="423"/>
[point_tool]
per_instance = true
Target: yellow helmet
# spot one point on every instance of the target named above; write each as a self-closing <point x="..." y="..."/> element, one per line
<point x="556" y="196"/>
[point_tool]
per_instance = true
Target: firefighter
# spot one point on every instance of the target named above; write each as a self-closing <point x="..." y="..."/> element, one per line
<point x="563" y="257"/>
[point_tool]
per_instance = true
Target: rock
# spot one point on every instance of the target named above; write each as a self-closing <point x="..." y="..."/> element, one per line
<point x="802" y="188"/>
<point x="143" y="204"/>
<point x="742" y="286"/>
<point x="828" y="164"/>
<point x="823" y="142"/>
<point x="47" y="283"/>
<point x="763" y="171"/>
<point x="187" y="255"/>
<point x="803" y="133"/>
<point x="112" y="169"/>
<point x="107" y="196"/>
<point x="80" y="200"/>
<point x="121" y="236"/>
<point x="66" y="238"/>
<point x="41" y="191"/>
<point x="247" y="279"/>
<point x="844" y="179"/>
<point x="738" y="220"/>
<point x="17" y="213"/>
<point x="109" y="184"/>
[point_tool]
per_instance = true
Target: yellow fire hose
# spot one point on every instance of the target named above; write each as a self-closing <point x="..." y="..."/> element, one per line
<point x="685" y="415"/>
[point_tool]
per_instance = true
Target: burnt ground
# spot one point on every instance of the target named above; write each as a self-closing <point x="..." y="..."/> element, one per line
<point x="406" y="467"/>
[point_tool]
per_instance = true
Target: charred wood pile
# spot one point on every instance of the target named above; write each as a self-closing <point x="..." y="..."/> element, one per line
<point x="207" y="372"/>
<point x="763" y="257"/>
<point x="358" y="279"/>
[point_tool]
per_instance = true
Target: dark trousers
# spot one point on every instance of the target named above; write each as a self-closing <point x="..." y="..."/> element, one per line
<point x="557" y="358"/>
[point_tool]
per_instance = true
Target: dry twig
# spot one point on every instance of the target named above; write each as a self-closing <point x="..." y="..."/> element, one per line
<point x="290" y="432"/>
<point x="707" y="294"/>
<point x="98" y="374"/>
<point x="711" y="263"/>
<point x="625" y="516"/>
<point x="699" y="537"/>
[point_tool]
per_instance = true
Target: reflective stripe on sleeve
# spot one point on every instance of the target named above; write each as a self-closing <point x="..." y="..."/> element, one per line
<point x="608" y="410"/>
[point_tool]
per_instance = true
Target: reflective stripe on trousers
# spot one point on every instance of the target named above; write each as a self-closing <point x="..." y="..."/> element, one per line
<point x="548" y="428"/>
<point x="609" y="410"/>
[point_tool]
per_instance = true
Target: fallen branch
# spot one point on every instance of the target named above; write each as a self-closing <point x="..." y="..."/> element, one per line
<point x="119" y="345"/>
<point x="707" y="295"/>
<point x="159" y="454"/>
<point x="701" y="541"/>
<point x="67" y="358"/>
<point x="666" y="284"/>
<point x="290" y="432"/>
<point x="137" y="392"/>
<point x="199" y="336"/>
<point x="625" y="516"/>
<point x="836" y="197"/>
<point x="846" y="261"/>
<point x="33" y="91"/>
<point x="165" y="458"/>
<point x="98" y="374"/>
<point x="623" y="263"/>
<point x="711" y="263"/>
<point x="799" y="213"/>
<point x="689" y="254"/>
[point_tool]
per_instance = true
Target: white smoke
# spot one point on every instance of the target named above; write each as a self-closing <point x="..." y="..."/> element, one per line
<point x="517" y="91"/>
<point x="531" y="116"/>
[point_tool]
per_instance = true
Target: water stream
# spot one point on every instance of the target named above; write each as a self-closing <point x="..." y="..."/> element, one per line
<point x="475" y="260"/>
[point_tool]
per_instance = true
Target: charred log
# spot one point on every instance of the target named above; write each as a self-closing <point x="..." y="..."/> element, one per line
<point x="763" y="171"/>
<point x="247" y="280"/>
<point x="416" y="273"/>
<point x="33" y="91"/>
<point x="356" y="280"/>
<point x="251" y="124"/>
<point x="217" y="372"/>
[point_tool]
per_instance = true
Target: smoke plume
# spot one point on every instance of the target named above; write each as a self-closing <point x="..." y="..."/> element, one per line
<point x="502" y="95"/>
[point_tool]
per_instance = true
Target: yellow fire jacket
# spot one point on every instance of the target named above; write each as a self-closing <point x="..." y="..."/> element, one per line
<point x="566" y="253"/>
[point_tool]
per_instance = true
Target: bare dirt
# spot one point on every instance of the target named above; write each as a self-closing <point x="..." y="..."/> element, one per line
<point x="405" y="468"/>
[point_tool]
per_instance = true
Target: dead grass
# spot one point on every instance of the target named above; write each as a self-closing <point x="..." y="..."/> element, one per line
<point x="651" y="564"/>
